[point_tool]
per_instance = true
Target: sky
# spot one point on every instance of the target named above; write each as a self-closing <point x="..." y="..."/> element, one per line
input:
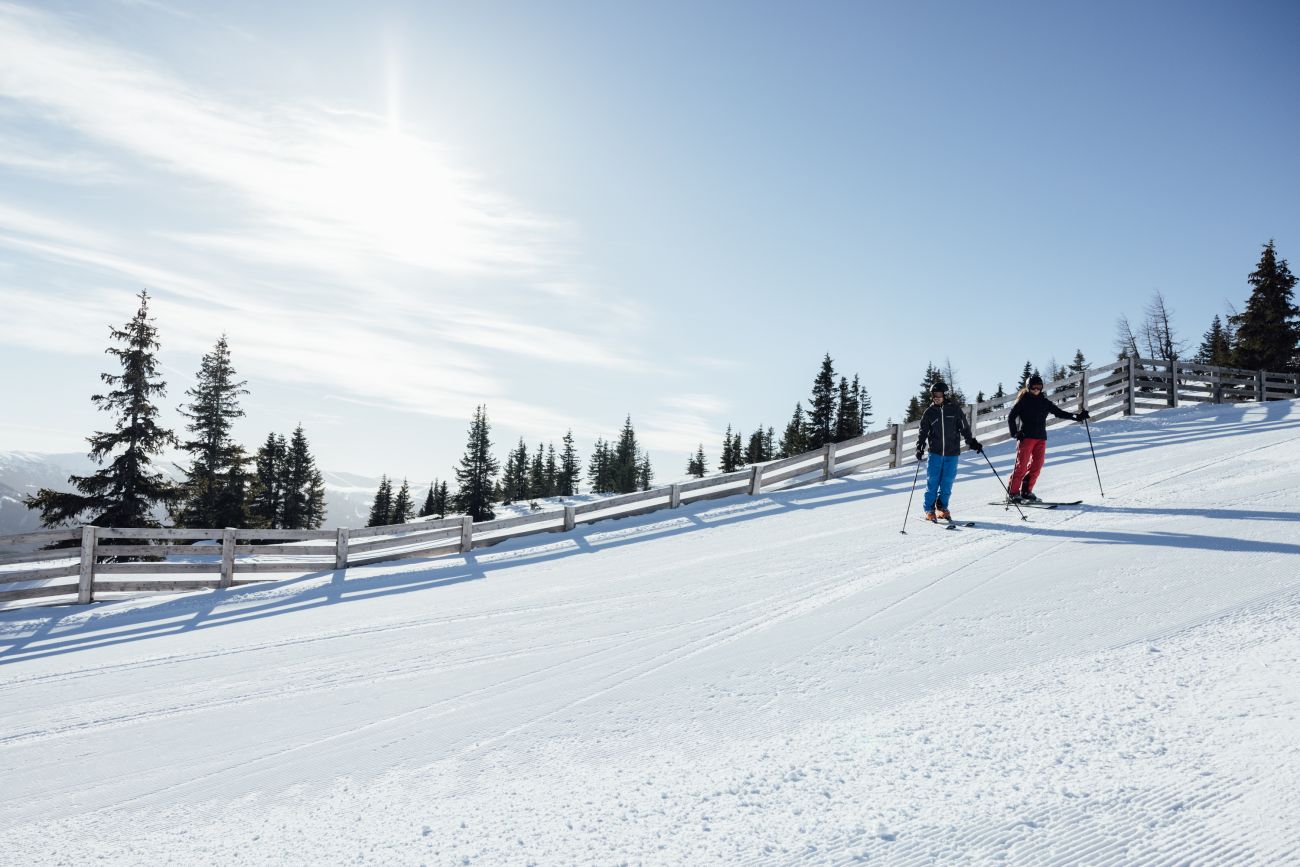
<point x="572" y="212"/>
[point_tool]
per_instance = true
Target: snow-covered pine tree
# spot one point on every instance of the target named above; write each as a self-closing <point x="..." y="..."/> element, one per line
<point x="477" y="471"/>
<point x="124" y="493"/>
<point x="441" y="501"/>
<point x="206" y="500"/>
<point x="1268" y="330"/>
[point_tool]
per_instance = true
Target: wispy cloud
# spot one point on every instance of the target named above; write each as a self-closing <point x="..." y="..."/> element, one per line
<point x="295" y="227"/>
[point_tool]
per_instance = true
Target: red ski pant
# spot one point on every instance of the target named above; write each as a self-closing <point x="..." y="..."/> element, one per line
<point x="1029" y="463"/>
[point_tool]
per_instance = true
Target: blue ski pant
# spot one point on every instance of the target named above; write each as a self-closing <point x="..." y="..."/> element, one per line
<point x="939" y="476"/>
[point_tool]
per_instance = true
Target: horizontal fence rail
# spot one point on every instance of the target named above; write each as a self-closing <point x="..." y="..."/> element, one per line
<point x="83" y="561"/>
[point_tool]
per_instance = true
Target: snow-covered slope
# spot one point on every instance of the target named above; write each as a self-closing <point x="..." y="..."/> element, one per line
<point x="757" y="680"/>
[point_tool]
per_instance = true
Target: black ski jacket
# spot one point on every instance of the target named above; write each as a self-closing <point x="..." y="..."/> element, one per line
<point x="1029" y="416"/>
<point x="943" y="427"/>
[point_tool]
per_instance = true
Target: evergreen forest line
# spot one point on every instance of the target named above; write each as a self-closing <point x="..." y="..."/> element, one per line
<point x="280" y="487"/>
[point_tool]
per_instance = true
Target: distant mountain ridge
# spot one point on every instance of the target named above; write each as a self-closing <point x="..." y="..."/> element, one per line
<point x="348" y="496"/>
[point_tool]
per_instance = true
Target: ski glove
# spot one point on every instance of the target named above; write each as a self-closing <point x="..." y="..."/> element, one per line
<point x="975" y="446"/>
<point x="920" y="453"/>
<point x="1081" y="415"/>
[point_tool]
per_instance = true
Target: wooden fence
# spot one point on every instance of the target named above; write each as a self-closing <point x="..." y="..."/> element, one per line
<point x="217" y="558"/>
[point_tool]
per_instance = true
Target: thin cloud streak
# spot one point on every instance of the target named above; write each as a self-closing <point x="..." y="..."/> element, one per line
<point x="308" y="216"/>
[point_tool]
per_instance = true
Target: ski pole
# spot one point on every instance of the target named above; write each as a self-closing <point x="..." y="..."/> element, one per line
<point x="1023" y="516"/>
<point x="1094" y="458"/>
<point x="910" y="496"/>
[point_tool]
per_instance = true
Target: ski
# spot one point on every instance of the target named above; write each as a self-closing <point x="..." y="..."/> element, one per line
<point x="950" y="525"/>
<point x="1041" y="504"/>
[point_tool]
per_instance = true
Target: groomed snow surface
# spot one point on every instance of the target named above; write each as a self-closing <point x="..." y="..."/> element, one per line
<point x="780" y="679"/>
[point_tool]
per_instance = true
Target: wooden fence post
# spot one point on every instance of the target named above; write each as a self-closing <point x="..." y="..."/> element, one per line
<point x="1173" y="382"/>
<point x="86" y="581"/>
<point x="1259" y="386"/>
<point x="466" y="535"/>
<point x="571" y="516"/>
<point x="828" y="460"/>
<point x="756" y="480"/>
<point x="675" y="496"/>
<point x="1216" y="380"/>
<point x="341" y="549"/>
<point x="897" y="459"/>
<point x="1132" y="387"/>
<point x="227" y="557"/>
<point x="1083" y="390"/>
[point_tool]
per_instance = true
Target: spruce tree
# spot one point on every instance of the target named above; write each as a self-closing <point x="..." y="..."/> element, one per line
<point x="551" y="479"/>
<point x="303" y="486"/>
<point x="626" y="460"/>
<point x="514" y="480"/>
<point x="754" y="448"/>
<point x="266" y="494"/>
<point x="537" y="475"/>
<point x="769" y="444"/>
<point x="917" y="405"/>
<point x="794" y="441"/>
<point x="314" y="509"/>
<point x="822" y="404"/>
<point x="441" y="501"/>
<point x="124" y="493"/>
<point x="864" y="406"/>
<point x="570" y="468"/>
<point x="1215" y="348"/>
<point x="401" y="511"/>
<point x="599" y="475"/>
<point x="696" y="466"/>
<point x="729" y="460"/>
<point x="1268" y="330"/>
<point x="914" y="410"/>
<point x="1027" y="372"/>
<point x="477" y="471"/>
<point x="214" y="457"/>
<point x="645" y="474"/>
<point x="848" y="417"/>
<point x="429" y="505"/>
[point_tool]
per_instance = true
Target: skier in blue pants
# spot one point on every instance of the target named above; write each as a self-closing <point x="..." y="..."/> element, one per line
<point x="943" y="427"/>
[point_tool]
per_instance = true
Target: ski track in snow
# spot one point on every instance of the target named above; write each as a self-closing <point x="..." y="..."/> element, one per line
<point x="772" y="680"/>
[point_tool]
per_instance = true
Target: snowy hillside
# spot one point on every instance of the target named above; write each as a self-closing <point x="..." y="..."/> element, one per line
<point x="777" y="679"/>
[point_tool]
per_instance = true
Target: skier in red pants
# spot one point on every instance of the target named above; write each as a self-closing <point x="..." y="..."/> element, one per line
<point x="1028" y="423"/>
